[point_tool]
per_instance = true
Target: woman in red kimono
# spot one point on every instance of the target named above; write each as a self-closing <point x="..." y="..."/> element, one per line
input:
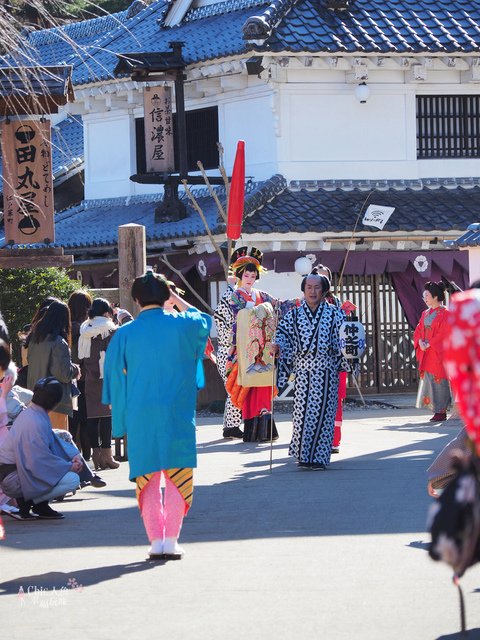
<point x="429" y="341"/>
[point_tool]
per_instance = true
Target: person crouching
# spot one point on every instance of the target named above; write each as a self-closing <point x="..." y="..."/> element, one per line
<point x="34" y="468"/>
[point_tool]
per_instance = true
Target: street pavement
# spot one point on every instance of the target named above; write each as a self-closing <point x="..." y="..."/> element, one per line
<point x="335" y="555"/>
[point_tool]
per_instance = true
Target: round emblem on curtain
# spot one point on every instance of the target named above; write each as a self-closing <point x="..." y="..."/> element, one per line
<point x="420" y="263"/>
<point x="202" y="268"/>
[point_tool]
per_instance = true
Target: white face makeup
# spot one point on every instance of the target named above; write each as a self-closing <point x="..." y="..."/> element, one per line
<point x="248" y="279"/>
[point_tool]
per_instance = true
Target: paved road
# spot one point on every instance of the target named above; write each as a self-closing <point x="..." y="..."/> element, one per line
<point x="293" y="554"/>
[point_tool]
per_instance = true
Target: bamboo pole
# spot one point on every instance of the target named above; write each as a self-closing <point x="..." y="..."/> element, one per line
<point x="207" y="227"/>
<point x="351" y="239"/>
<point x="212" y="191"/>
<point x="166" y="261"/>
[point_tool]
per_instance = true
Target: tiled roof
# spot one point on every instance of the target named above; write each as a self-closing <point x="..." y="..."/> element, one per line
<point x="214" y="36"/>
<point x="376" y="26"/>
<point x="471" y="237"/>
<point x="218" y="31"/>
<point x="67" y="147"/>
<point x="95" y="223"/>
<point x="270" y="208"/>
<point x="334" y="211"/>
<point x="68" y="42"/>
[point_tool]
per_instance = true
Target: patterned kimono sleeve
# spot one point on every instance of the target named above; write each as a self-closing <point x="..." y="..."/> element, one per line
<point x="223" y="317"/>
<point x="339" y="318"/>
<point x="282" y="307"/>
<point x="285" y="338"/>
<point x="237" y="303"/>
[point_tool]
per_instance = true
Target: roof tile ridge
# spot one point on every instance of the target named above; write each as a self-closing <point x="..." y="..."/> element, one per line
<point x="46" y="36"/>
<point x="266" y="192"/>
<point x="220" y="8"/>
<point x="122" y="28"/>
<point x="260" y="27"/>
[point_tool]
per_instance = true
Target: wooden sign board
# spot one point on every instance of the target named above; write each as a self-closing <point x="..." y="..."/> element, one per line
<point x="27" y="182"/>
<point x="157" y="104"/>
<point x="32" y="258"/>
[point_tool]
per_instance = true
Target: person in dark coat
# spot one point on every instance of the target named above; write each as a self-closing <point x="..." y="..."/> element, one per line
<point x="95" y="334"/>
<point x="49" y="355"/>
<point x="79" y="304"/>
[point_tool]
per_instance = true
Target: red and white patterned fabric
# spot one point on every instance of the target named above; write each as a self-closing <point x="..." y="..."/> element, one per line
<point x="462" y="358"/>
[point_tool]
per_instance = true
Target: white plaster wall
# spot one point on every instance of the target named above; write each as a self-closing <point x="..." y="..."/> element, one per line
<point x="285" y="286"/>
<point x="109" y="155"/>
<point x="474" y="263"/>
<point x="327" y="134"/>
<point x="250" y="117"/>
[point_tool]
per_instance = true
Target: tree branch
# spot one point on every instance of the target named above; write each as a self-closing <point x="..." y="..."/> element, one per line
<point x="166" y="261"/>
<point x="204" y="220"/>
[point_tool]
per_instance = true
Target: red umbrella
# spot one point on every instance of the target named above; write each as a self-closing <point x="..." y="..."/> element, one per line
<point x="237" y="194"/>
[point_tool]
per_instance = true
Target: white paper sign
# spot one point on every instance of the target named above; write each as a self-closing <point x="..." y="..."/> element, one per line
<point x="377" y="216"/>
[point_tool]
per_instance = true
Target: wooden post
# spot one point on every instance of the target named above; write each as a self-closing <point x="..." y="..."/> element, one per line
<point x="132" y="261"/>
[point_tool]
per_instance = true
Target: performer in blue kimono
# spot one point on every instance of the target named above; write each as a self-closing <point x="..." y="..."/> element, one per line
<point x="150" y="380"/>
<point x="309" y="347"/>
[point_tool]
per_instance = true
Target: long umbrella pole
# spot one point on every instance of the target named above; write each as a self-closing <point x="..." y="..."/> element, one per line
<point x="354" y="378"/>
<point x="273" y="391"/>
<point x="272" y="415"/>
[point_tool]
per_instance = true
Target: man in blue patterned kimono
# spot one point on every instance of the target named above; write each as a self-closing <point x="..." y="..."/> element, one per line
<point x="309" y="347"/>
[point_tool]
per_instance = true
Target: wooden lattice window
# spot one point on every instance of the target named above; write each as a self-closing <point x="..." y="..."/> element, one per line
<point x="448" y="127"/>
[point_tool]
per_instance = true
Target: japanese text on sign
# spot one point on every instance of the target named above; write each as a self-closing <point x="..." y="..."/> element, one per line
<point x="157" y="103"/>
<point x="28" y="182"/>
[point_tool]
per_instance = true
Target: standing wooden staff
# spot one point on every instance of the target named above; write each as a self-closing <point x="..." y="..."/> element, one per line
<point x="275" y="310"/>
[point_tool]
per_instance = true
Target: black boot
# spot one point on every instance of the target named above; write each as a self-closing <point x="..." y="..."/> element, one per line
<point x="24" y="507"/>
<point x="44" y="511"/>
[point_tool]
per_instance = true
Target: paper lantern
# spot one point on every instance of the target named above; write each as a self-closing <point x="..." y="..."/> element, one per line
<point x="303" y="266"/>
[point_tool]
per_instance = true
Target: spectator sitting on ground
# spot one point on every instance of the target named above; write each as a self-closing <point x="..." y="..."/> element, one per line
<point x="35" y="467"/>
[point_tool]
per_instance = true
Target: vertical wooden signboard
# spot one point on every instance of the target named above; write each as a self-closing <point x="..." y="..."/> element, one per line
<point x="27" y="181"/>
<point x="157" y="104"/>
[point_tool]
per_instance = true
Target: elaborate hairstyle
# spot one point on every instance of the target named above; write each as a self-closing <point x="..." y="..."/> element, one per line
<point x="99" y="307"/>
<point x="55" y="321"/>
<point x="79" y="304"/>
<point x="322" y="267"/>
<point x="47" y="393"/>
<point x="151" y="288"/>
<point x="436" y="289"/>
<point x="243" y="260"/>
<point x="324" y="280"/>
<point x="5" y="355"/>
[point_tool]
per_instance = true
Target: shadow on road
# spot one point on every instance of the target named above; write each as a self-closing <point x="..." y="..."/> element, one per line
<point x="76" y="579"/>
<point x="382" y="492"/>
<point x="472" y="634"/>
